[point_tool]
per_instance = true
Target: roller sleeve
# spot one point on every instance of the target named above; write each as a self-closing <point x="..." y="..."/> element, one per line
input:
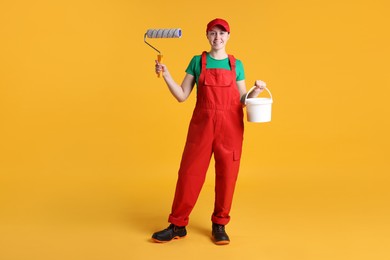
<point x="164" y="33"/>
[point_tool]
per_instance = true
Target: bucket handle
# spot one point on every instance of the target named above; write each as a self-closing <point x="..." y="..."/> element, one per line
<point x="252" y="88"/>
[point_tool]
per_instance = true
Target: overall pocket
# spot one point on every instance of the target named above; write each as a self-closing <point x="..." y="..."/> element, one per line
<point x="218" y="78"/>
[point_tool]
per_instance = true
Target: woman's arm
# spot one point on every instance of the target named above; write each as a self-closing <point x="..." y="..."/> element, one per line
<point x="260" y="85"/>
<point x="180" y="92"/>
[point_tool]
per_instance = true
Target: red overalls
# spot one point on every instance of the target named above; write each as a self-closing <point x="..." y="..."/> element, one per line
<point x="216" y="127"/>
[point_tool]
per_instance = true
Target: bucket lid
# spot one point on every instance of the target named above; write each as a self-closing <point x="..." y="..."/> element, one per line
<point x="258" y="101"/>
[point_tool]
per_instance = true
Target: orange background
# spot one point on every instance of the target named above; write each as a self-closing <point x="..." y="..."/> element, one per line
<point x="91" y="140"/>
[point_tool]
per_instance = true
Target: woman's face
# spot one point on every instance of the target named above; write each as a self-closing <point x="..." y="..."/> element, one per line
<point x="217" y="37"/>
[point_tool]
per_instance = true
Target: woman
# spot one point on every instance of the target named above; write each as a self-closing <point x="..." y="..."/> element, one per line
<point x="216" y="128"/>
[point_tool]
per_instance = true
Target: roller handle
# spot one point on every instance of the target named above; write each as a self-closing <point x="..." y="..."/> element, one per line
<point x="159" y="59"/>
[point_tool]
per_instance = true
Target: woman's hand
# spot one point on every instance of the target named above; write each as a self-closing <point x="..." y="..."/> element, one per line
<point x="159" y="68"/>
<point x="259" y="87"/>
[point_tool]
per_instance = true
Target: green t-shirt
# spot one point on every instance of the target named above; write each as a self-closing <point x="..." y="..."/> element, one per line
<point x="194" y="68"/>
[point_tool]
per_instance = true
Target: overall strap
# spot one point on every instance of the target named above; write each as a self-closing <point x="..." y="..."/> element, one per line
<point x="232" y="62"/>
<point x="204" y="61"/>
<point x="202" y="68"/>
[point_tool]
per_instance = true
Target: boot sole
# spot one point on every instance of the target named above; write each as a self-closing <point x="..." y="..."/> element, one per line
<point x="221" y="243"/>
<point x="162" y="242"/>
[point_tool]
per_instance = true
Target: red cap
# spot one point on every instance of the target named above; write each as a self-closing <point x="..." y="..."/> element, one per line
<point x="220" y="22"/>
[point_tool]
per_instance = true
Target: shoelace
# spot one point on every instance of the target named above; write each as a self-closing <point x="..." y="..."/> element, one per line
<point x="220" y="228"/>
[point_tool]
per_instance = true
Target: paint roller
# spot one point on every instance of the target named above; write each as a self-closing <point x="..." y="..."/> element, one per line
<point x="161" y="33"/>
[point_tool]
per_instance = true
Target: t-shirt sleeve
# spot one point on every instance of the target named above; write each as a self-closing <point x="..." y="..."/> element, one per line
<point x="240" y="70"/>
<point x="191" y="69"/>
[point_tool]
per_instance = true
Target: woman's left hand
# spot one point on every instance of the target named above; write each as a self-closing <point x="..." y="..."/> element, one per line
<point x="260" y="85"/>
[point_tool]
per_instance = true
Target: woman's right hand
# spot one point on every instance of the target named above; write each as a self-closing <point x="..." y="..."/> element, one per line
<point x="159" y="67"/>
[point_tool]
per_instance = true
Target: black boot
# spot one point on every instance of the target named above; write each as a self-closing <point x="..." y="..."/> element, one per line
<point x="171" y="232"/>
<point x="219" y="235"/>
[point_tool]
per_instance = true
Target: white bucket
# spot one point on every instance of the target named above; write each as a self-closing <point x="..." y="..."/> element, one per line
<point x="258" y="110"/>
